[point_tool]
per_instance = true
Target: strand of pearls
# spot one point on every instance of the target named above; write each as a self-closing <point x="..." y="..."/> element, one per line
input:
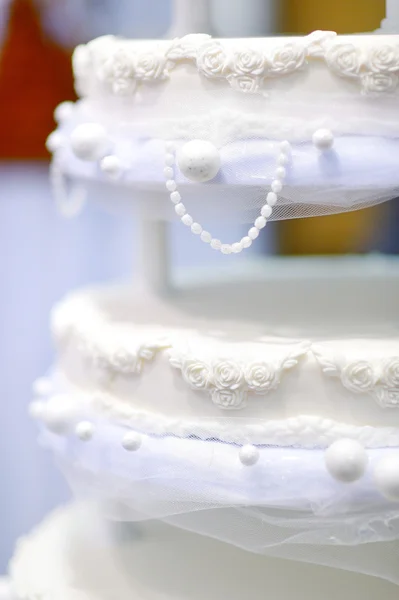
<point x="69" y="203"/>
<point x="259" y="223"/>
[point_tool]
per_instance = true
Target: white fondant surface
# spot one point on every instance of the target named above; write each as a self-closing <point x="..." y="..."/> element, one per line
<point x="300" y="339"/>
<point x="75" y="555"/>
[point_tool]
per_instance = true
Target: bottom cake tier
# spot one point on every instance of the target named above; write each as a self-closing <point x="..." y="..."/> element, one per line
<point x="78" y="555"/>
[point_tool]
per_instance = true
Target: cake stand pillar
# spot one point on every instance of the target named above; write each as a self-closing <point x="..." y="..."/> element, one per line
<point x="189" y="16"/>
<point x="153" y="260"/>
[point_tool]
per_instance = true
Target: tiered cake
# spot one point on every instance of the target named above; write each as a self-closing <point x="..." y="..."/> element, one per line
<point x="208" y="426"/>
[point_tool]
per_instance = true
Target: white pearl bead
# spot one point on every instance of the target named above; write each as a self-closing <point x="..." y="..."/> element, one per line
<point x="84" y="431"/>
<point x="59" y="414"/>
<point x="42" y="387"/>
<point x="386" y="477"/>
<point x="285" y="147"/>
<point x="171" y="185"/>
<point x="89" y="141"/>
<point x="169" y="160"/>
<point x="281" y="173"/>
<point x="187" y="220"/>
<point x="346" y="460"/>
<point x="267" y="210"/>
<point x="282" y="160"/>
<point x="36" y="409"/>
<point x="260" y="223"/>
<point x="111" y="166"/>
<point x="216" y="244"/>
<point x="170" y="147"/>
<point x="246" y="242"/>
<point x="206" y="237"/>
<point x="63" y="111"/>
<point x="226" y="249"/>
<point x="323" y="139"/>
<point x="237" y="247"/>
<point x="180" y="209"/>
<point x="253" y="233"/>
<point x="199" y="160"/>
<point x="196" y="228"/>
<point x="54" y="141"/>
<point x="248" y="455"/>
<point x="271" y="199"/>
<point x="131" y="441"/>
<point x="168" y="172"/>
<point x="276" y="186"/>
<point x="175" y="197"/>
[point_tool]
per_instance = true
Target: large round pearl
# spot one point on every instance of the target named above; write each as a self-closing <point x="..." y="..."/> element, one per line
<point x="84" y="431"/>
<point x="59" y="414"/>
<point x="63" y="111"/>
<point x="248" y="455"/>
<point x="131" y="441"/>
<point x="199" y="160"/>
<point x="89" y="141"/>
<point x="323" y="139"/>
<point x="346" y="460"/>
<point x="386" y="476"/>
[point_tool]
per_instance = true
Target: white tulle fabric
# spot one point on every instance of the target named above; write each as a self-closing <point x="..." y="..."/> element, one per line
<point x="286" y="505"/>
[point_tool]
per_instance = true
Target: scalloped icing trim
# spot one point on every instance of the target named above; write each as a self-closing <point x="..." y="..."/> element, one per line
<point x="246" y="67"/>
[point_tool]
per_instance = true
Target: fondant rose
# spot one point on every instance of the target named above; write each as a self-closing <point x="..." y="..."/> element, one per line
<point x="384" y="59"/>
<point x="196" y="373"/>
<point x="229" y="399"/>
<point x="287" y="59"/>
<point x="387" y="398"/>
<point x="124" y="362"/>
<point x="227" y="374"/>
<point x="211" y="59"/>
<point x="244" y="83"/>
<point x="391" y="373"/>
<point x="119" y="72"/>
<point x="344" y="59"/>
<point x="150" y="66"/>
<point x="248" y="62"/>
<point x="260" y="377"/>
<point x="378" y="83"/>
<point x="358" y="377"/>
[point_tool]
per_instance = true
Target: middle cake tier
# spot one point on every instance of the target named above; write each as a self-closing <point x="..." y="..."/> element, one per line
<point x="295" y="353"/>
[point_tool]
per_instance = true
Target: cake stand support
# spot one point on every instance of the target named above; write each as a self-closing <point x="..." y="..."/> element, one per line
<point x="153" y="264"/>
<point x="189" y="16"/>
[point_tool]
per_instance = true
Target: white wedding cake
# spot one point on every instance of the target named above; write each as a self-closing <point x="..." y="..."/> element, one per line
<point x="212" y="426"/>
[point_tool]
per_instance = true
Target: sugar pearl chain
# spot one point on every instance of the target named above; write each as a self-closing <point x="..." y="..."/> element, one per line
<point x="260" y="222"/>
<point x="70" y="203"/>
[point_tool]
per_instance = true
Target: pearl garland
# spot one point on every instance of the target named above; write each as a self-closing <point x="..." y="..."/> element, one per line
<point x="259" y="223"/>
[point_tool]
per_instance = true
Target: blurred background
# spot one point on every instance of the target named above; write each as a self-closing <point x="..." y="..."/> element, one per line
<point x="42" y="256"/>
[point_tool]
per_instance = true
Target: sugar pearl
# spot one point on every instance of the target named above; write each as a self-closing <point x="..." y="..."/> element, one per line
<point x="248" y="455"/>
<point x="175" y="197"/>
<point x="267" y="210"/>
<point x="171" y="185"/>
<point x="131" y="441"/>
<point x="285" y="146"/>
<point x="111" y="166"/>
<point x="216" y="244"/>
<point x="206" y="237"/>
<point x="281" y="173"/>
<point x="226" y="249"/>
<point x="253" y="233"/>
<point x="237" y="247"/>
<point x="346" y="460"/>
<point x="386" y="476"/>
<point x="323" y="139"/>
<point x="246" y="242"/>
<point x="168" y="172"/>
<point x="89" y="141"/>
<point x="271" y="198"/>
<point x="276" y="186"/>
<point x="84" y="430"/>
<point x="180" y="209"/>
<point x="187" y="220"/>
<point x="199" y="160"/>
<point x="169" y="160"/>
<point x="170" y="147"/>
<point x="63" y="111"/>
<point x="260" y="222"/>
<point x="282" y="159"/>
<point x="196" y="228"/>
<point x="54" y="141"/>
<point x="42" y="386"/>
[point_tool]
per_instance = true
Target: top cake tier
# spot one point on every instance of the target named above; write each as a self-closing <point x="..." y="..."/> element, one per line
<point x="279" y="88"/>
